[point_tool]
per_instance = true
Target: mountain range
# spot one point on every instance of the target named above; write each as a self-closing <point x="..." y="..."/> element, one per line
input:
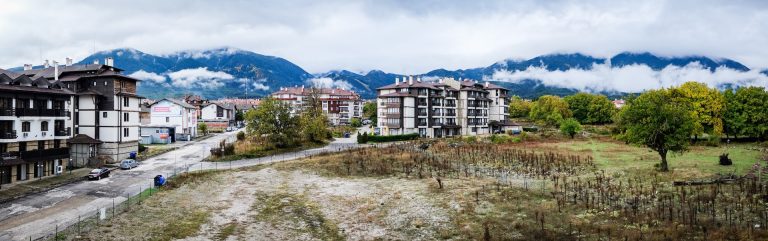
<point x="224" y="72"/>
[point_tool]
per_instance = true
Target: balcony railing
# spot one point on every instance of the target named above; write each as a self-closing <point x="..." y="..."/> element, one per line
<point x="7" y="112"/>
<point x="47" y="154"/>
<point x="42" y="112"/>
<point x="62" y="132"/>
<point x="6" y="135"/>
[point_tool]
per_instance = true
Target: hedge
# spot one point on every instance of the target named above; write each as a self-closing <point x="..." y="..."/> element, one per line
<point x="372" y="138"/>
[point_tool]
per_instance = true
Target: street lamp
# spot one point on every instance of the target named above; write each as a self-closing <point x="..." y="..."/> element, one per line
<point x="1" y="179"/>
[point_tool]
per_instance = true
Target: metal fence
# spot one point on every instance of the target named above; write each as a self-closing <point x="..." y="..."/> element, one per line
<point x="91" y="219"/>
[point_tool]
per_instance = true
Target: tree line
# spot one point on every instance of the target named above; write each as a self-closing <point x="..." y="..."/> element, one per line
<point x="664" y="120"/>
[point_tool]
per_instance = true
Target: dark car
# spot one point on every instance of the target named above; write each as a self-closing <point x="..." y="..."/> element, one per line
<point x="97" y="174"/>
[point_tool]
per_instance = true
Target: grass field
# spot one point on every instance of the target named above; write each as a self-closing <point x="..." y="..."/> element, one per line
<point x="583" y="189"/>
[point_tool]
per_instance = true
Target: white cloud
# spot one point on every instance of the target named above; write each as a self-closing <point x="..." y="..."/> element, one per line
<point x="633" y="78"/>
<point x="257" y="84"/>
<point x="408" y="37"/>
<point x="143" y="75"/>
<point x="260" y="86"/>
<point x="199" y="77"/>
<point x="326" y="82"/>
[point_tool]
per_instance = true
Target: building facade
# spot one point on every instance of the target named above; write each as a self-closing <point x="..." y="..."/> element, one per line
<point x="106" y="107"/>
<point x="447" y="107"/>
<point x="339" y="105"/>
<point x="217" y="116"/>
<point x="177" y="114"/>
<point x="35" y="124"/>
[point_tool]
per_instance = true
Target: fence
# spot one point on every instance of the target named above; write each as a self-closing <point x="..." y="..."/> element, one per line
<point x="102" y="215"/>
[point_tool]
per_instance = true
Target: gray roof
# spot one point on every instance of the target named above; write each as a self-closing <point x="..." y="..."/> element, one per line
<point x="178" y="102"/>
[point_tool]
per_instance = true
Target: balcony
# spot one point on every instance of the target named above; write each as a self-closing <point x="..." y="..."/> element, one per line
<point x="8" y="135"/>
<point x="42" y="112"/>
<point x="7" y="112"/>
<point x="62" y="132"/>
<point x="43" y="155"/>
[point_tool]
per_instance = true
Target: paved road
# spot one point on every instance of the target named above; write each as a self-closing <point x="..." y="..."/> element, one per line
<point x="39" y="214"/>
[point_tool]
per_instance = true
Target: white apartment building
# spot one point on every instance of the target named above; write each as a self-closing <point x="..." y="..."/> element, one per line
<point x="35" y="123"/>
<point x="339" y="105"/>
<point x="447" y="107"/>
<point x="177" y="114"/>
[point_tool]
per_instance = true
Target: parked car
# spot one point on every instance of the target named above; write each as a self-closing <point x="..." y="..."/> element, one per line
<point x="230" y="128"/>
<point x="366" y="122"/>
<point x="97" y="174"/>
<point x="128" y="164"/>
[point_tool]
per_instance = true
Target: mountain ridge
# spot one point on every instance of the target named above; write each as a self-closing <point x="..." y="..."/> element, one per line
<point x="226" y="71"/>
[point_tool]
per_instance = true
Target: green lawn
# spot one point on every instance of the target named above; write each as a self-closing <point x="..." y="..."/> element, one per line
<point x="699" y="161"/>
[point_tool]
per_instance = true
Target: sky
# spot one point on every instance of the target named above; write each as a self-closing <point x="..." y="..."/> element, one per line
<point x="400" y="36"/>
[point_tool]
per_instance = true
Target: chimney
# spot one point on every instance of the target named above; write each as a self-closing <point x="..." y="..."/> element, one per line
<point x="419" y="79"/>
<point x="410" y="80"/>
<point x="55" y="70"/>
<point x="69" y="61"/>
<point x="109" y="61"/>
<point x="397" y="80"/>
<point x="27" y="67"/>
<point x="486" y="84"/>
<point x="95" y="61"/>
<point x="45" y="64"/>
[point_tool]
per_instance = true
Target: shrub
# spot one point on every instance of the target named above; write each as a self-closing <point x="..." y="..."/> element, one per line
<point x="142" y="148"/>
<point x="570" y="127"/>
<point x="241" y="136"/>
<point x="362" y="138"/>
<point x="355" y="122"/>
<point x="713" y="140"/>
<point x="229" y="149"/>
<point x="406" y="137"/>
<point x="516" y="139"/>
<point x="500" y="139"/>
<point x="531" y="129"/>
<point x="724" y="160"/>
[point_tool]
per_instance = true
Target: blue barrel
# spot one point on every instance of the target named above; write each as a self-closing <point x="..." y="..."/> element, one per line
<point x="132" y="155"/>
<point x="159" y="180"/>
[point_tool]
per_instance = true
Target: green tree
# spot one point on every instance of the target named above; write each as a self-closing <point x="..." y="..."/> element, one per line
<point x="707" y="107"/>
<point x="355" y="122"/>
<point x="590" y="108"/>
<point x="313" y="122"/>
<point x="239" y="115"/>
<point x="370" y="112"/>
<point x="202" y="128"/>
<point x="519" y="107"/>
<point x="272" y="121"/>
<point x="550" y="110"/>
<point x="570" y="127"/>
<point x="658" y="122"/>
<point x="747" y="112"/>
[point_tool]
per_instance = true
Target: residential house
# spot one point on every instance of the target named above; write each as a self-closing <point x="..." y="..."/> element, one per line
<point x="179" y="115"/>
<point x="217" y="116"/>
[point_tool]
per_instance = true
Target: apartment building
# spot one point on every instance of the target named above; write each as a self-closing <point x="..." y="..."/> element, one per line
<point x="447" y="107"/>
<point x="35" y="124"/>
<point x="339" y="105"/>
<point x="106" y="109"/>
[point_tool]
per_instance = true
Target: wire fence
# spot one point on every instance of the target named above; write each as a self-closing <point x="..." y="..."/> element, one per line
<point x="88" y="220"/>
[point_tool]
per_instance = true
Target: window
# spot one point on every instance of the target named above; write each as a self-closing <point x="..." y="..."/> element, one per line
<point x="125" y="117"/>
<point x="167" y="119"/>
<point x="104" y="114"/>
<point x="126" y="101"/>
<point x="56" y="143"/>
<point x="157" y="131"/>
<point x="44" y="126"/>
<point x="125" y="132"/>
<point x="41" y="145"/>
<point x="25" y="126"/>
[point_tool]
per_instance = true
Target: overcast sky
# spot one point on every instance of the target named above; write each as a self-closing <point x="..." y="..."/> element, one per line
<point x="395" y="36"/>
